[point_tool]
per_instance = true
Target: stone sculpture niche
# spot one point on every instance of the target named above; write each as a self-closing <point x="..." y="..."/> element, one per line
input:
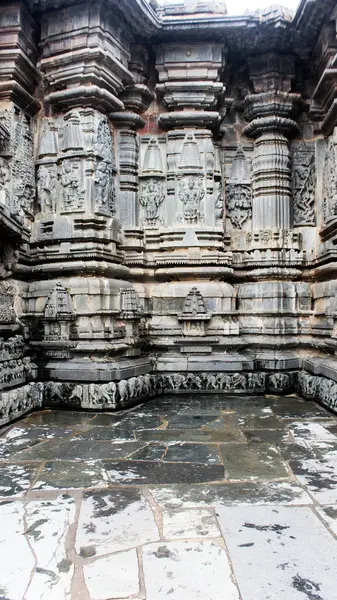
<point x="58" y="315"/>
<point x="195" y="316"/>
<point x="238" y="192"/>
<point x="191" y="182"/>
<point x="152" y="191"/>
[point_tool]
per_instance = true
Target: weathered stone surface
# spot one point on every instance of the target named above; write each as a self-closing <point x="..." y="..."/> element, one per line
<point x="114" y="520"/>
<point x="113" y="577"/>
<point x="188" y="569"/>
<point x="281" y="538"/>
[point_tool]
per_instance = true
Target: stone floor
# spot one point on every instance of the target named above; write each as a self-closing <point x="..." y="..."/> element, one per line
<point x="188" y="498"/>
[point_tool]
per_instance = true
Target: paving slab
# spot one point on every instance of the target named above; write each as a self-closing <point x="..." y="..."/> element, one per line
<point x="80" y="450"/>
<point x="131" y="505"/>
<point x="258" y="461"/>
<point x="113" y="577"/>
<point x="17" y="559"/>
<point x="15" y="480"/>
<point x="274" y="556"/>
<point x="190" y="523"/>
<point x="71" y="475"/>
<point x="231" y="494"/>
<point x="114" y="520"/>
<point x="47" y="528"/>
<point x="224" y="436"/>
<point x="148" y="473"/>
<point x="189" y="571"/>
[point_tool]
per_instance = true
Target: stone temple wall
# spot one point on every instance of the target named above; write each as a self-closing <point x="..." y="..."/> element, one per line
<point x="168" y="201"/>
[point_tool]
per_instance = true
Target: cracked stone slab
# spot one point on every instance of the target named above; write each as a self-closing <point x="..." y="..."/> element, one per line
<point x="147" y="472"/>
<point x="189" y="570"/>
<point x="19" y="438"/>
<point x="71" y="475"/>
<point x="48" y="525"/>
<point x="15" y="480"/>
<point x="80" y="450"/>
<point x="273" y="553"/>
<point x="225" y="436"/>
<point x="190" y="524"/>
<point x="199" y="453"/>
<point x="114" y="520"/>
<point x="113" y="577"/>
<point x="318" y="476"/>
<point x="231" y="494"/>
<point x="311" y="432"/>
<point x="255" y="461"/>
<point x="17" y="560"/>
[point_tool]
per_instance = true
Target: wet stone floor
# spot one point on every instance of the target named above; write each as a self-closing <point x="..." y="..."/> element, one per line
<point x="182" y="498"/>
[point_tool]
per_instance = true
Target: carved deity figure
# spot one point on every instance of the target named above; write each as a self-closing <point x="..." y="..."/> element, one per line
<point x="102" y="180"/>
<point x="72" y="196"/>
<point x="239" y="203"/>
<point x="191" y="193"/>
<point x="330" y="184"/>
<point x="151" y="198"/>
<point x="46" y="187"/>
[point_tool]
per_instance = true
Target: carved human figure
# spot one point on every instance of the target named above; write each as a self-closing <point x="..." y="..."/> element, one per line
<point x="102" y="181"/>
<point x="46" y="187"/>
<point x="151" y="198"/>
<point x="191" y="193"/>
<point x="4" y="179"/>
<point x="72" y="197"/>
<point x="239" y="203"/>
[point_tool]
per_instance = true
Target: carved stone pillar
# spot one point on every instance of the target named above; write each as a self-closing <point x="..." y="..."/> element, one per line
<point x="270" y="111"/>
<point x="192" y="211"/>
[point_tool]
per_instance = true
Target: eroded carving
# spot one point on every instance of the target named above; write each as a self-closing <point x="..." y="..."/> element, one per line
<point x="303" y="184"/>
<point x="191" y="193"/>
<point x="71" y="181"/>
<point x="46" y="187"/>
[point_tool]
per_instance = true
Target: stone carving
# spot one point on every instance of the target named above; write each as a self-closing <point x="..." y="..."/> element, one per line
<point x="46" y="187"/>
<point x="210" y="382"/>
<point x="330" y="184"/>
<point x="7" y="312"/>
<point x="58" y="314"/>
<point x="106" y="396"/>
<point x="104" y="189"/>
<point x="303" y="185"/>
<point x="130" y="306"/>
<point x="238" y="191"/>
<point x="194" y="316"/>
<point x="71" y="181"/>
<point x="18" y="402"/>
<point x="307" y="385"/>
<point x="152" y="195"/>
<point x="191" y="192"/>
<point x="279" y="382"/>
<point x="71" y="132"/>
<point x="153" y="164"/>
<point x="238" y="203"/>
<point x="104" y="145"/>
<point x="4" y="179"/>
<point x="15" y="372"/>
<point x="23" y="169"/>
